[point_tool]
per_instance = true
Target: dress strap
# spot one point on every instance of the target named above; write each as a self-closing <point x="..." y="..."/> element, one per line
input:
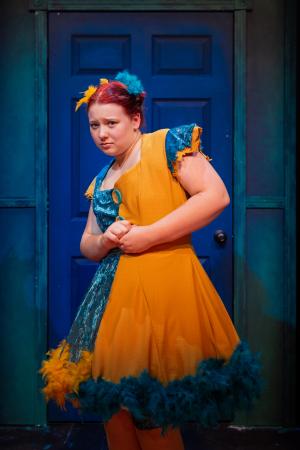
<point x="97" y="181"/>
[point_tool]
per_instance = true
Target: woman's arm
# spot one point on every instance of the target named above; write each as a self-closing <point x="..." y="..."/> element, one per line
<point x="209" y="197"/>
<point x="91" y="244"/>
<point x="94" y="244"/>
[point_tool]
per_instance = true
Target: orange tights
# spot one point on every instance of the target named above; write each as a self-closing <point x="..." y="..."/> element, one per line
<point x="121" y="434"/>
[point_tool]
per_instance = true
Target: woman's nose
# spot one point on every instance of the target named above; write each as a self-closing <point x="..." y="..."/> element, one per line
<point x="102" y="132"/>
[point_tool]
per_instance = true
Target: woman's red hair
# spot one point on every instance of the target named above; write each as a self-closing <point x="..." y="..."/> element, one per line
<point x="116" y="92"/>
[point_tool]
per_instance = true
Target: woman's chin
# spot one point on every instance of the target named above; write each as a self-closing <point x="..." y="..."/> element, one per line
<point x="109" y="150"/>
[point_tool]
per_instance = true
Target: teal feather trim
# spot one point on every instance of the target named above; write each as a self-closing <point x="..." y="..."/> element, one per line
<point x="133" y="84"/>
<point x="215" y="392"/>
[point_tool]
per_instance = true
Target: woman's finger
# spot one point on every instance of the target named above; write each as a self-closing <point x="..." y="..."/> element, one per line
<point x="123" y="238"/>
<point x="126" y="225"/>
<point x="112" y="237"/>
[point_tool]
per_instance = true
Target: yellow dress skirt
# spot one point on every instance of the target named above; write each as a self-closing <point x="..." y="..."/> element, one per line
<point x="152" y="335"/>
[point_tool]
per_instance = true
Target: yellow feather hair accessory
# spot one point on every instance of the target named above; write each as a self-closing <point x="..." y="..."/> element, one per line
<point x="87" y="95"/>
<point x="89" y="92"/>
<point x="103" y="81"/>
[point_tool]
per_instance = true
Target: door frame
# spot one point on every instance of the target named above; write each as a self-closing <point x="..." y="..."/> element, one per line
<point x="287" y="202"/>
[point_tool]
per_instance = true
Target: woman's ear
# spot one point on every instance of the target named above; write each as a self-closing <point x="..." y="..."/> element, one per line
<point x="136" y="120"/>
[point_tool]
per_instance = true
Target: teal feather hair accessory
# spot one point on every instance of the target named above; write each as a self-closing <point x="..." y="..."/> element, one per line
<point x="133" y="84"/>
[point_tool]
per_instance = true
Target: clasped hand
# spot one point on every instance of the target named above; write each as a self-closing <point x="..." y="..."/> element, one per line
<point x="128" y="237"/>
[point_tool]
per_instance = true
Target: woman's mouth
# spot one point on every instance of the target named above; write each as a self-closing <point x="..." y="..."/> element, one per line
<point x="105" y="144"/>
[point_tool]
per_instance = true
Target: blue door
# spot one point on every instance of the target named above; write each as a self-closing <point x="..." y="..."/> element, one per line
<point x="185" y="63"/>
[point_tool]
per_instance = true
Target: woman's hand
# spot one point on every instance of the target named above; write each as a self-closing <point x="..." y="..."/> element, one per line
<point x="111" y="237"/>
<point x="137" y="240"/>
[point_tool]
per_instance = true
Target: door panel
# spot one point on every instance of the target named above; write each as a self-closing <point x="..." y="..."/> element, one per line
<point x="185" y="63"/>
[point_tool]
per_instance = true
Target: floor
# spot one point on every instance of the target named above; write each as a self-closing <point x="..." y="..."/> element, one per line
<point x="90" y="436"/>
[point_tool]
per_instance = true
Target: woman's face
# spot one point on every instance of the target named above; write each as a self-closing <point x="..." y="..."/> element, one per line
<point x="112" y="129"/>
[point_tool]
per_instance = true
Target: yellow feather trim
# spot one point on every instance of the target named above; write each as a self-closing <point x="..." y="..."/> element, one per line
<point x="90" y="190"/>
<point x="63" y="376"/>
<point x="194" y="148"/>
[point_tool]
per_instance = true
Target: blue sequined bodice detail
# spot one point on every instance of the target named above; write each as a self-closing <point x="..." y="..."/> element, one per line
<point x="106" y="202"/>
<point x="84" y="329"/>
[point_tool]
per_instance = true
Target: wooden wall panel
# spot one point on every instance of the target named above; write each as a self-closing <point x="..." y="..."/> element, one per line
<point x="266" y="303"/>
<point x="270" y="174"/>
<point x="17" y="101"/>
<point x="265" y="114"/>
<point x="19" y="339"/>
<point x="17" y="319"/>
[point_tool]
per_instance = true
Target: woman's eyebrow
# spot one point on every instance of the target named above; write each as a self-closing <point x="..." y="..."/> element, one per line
<point x="103" y="118"/>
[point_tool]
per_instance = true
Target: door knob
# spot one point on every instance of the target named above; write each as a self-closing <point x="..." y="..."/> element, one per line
<point x="220" y="236"/>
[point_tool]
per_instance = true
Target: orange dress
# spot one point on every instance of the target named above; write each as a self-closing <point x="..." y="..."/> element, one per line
<point x="163" y="345"/>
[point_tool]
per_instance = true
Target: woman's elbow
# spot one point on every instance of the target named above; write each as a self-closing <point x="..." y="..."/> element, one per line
<point x="223" y="202"/>
<point x="82" y="246"/>
<point x="226" y="199"/>
<point x="86" y="249"/>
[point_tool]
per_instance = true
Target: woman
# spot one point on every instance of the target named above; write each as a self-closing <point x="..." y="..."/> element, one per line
<point x="152" y="345"/>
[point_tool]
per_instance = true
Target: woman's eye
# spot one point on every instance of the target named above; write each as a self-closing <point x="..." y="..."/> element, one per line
<point x="110" y="123"/>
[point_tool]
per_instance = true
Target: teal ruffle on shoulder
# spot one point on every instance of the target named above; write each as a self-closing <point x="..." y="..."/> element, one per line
<point x="180" y="141"/>
<point x="212" y="394"/>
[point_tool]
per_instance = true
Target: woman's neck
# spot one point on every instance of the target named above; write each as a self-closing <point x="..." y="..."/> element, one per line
<point x="120" y="160"/>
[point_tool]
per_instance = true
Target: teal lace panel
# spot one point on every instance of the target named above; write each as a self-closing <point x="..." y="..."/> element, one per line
<point x="84" y="329"/>
<point x="105" y="209"/>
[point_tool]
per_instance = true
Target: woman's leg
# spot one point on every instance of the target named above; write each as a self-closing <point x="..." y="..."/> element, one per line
<point x="120" y="432"/>
<point x="152" y="439"/>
